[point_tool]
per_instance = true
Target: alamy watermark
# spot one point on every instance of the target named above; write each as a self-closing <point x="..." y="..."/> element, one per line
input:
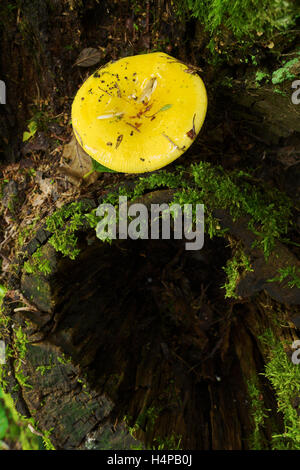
<point x="2" y="92"/>
<point x="134" y="222"/>
<point x="296" y="354"/>
<point x="2" y="352"/>
<point x="296" y="93"/>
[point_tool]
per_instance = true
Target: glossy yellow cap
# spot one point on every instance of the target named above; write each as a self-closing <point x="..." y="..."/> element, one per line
<point x="139" y="113"/>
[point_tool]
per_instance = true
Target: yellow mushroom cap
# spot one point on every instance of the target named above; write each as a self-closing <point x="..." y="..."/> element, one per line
<point x="139" y="113"/>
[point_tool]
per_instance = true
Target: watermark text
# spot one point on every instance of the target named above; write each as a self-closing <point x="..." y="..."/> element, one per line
<point x="134" y="222"/>
<point x="2" y="92"/>
<point x="2" y="352"/>
<point x="296" y="93"/>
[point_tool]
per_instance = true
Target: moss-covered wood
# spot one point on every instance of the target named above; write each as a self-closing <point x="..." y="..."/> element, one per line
<point x="155" y="348"/>
<point x="143" y="338"/>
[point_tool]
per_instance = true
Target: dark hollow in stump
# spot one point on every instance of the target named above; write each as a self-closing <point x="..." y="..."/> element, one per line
<point x="156" y="350"/>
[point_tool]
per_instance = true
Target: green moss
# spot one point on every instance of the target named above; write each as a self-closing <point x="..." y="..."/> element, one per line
<point x="243" y="18"/>
<point x="4" y="369"/>
<point x="40" y="121"/>
<point x="64" y="224"/>
<point x="260" y="75"/>
<point x="280" y="92"/>
<point x="259" y="415"/>
<point x="234" y="268"/>
<point x="21" y="342"/>
<point x="172" y="442"/>
<point x="292" y="273"/>
<point x="145" y="421"/>
<point x="44" y="369"/>
<point x="268" y="210"/>
<point x="26" y="232"/>
<point x="286" y="72"/>
<point x="20" y="349"/>
<point x="284" y="377"/>
<point x="46" y="440"/>
<point x="16" y="433"/>
<point x="227" y="82"/>
<point x="12" y="203"/>
<point x="39" y="263"/>
<point x="63" y="359"/>
<point x="2" y="294"/>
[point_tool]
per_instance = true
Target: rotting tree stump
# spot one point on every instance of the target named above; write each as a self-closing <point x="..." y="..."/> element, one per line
<point x="153" y="344"/>
<point x="138" y="334"/>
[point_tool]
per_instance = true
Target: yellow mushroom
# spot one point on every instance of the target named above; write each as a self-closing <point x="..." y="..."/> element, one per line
<point x="139" y="113"/>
